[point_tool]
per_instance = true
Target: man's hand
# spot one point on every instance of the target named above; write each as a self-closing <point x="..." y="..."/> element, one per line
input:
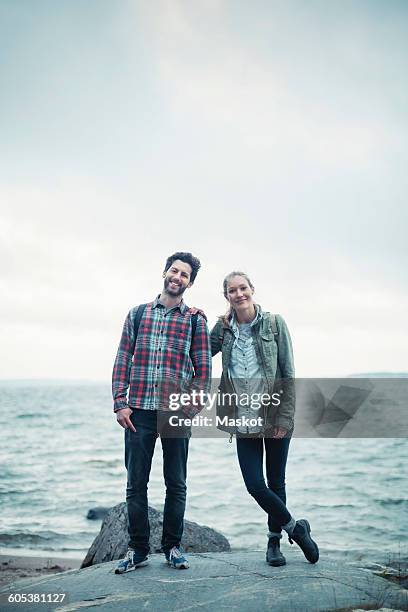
<point x="279" y="432"/>
<point x="123" y="418"/>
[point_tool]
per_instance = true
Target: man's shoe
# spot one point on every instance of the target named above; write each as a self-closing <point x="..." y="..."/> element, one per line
<point x="175" y="558"/>
<point x="131" y="561"/>
<point x="273" y="554"/>
<point x="301" y="535"/>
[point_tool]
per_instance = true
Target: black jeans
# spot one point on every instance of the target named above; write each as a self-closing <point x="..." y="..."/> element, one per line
<point x="271" y="498"/>
<point x="139" y="449"/>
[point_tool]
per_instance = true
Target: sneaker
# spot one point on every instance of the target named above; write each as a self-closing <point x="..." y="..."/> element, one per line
<point x="273" y="554"/>
<point x="175" y="558"/>
<point x="131" y="561"/>
<point x="301" y="535"/>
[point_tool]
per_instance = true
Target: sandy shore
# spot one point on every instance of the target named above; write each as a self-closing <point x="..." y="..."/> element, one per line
<point x="13" y="567"/>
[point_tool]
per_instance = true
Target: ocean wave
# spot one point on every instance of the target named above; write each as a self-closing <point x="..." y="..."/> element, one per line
<point x="104" y="462"/>
<point x="397" y="501"/>
<point x="333" y="506"/>
<point x="21" y="538"/>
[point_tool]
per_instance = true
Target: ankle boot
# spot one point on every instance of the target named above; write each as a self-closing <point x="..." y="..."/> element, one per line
<point x="301" y="535"/>
<point x="273" y="554"/>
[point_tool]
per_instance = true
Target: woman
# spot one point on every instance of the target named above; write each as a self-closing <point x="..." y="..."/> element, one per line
<point x="257" y="362"/>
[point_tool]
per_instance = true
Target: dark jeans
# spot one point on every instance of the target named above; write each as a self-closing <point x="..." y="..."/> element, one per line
<point x="139" y="449"/>
<point x="271" y="498"/>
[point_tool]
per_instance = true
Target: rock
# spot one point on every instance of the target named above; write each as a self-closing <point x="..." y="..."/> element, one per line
<point x="222" y="581"/>
<point x="112" y="540"/>
<point x="97" y="513"/>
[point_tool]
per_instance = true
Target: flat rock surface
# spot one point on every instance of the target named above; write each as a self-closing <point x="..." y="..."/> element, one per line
<point x="238" y="580"/>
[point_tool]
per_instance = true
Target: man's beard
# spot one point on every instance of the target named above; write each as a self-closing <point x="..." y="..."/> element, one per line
<point x="173" y="292"/>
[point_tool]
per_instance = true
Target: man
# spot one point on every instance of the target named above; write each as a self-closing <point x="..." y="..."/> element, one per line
<point x="161" y="341"/>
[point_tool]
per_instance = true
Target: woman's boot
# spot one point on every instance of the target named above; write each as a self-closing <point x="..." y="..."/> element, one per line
<point x="273" y="554"/>
<point x="301" y="535"/>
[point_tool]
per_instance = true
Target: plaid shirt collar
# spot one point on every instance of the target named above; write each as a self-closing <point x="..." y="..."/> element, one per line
<point x="182" y="306"/>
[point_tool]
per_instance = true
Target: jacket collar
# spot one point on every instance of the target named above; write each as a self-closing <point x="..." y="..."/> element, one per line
<point x="233" y="324"/>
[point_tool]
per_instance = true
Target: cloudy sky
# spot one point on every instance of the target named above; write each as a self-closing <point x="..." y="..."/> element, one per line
<point x="268" y="136"/>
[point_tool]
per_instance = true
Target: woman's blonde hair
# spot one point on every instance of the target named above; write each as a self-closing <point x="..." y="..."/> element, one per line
<point x="230" y="276"/>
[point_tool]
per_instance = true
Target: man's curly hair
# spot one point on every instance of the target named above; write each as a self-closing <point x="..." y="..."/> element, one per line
<point x="188" y="258"/>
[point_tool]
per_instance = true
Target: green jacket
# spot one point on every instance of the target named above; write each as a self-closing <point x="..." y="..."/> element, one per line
<point x="275" y="355"/>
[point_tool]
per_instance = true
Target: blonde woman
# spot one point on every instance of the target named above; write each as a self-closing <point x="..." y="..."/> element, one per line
<point x="257" y="353"/>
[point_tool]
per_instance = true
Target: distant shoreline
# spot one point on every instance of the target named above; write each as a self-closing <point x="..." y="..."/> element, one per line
<point x="104" y="381"/>
<point x="16" y="567"/>
<point x="54" y="381"/>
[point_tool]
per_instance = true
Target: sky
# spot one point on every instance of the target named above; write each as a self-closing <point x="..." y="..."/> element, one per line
<point x="268" y="137"/>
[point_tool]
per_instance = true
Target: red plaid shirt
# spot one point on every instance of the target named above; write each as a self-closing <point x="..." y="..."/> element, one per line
<point x="161" y="359"/>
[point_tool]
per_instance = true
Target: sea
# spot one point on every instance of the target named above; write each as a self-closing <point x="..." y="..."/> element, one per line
<point x="62" y="453"/>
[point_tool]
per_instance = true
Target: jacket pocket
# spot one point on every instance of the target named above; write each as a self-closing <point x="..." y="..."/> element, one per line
<point x="268" y="343"/>
<point x="269" y="354"/>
